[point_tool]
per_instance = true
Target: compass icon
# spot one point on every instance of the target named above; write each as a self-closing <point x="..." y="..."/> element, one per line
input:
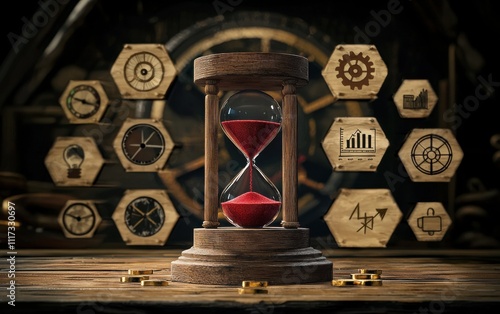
<point x="431" y="154"/>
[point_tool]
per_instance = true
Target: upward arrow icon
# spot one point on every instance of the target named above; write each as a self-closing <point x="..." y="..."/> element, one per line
<point x="367" y="220"/>
<point x="381" y="212"/>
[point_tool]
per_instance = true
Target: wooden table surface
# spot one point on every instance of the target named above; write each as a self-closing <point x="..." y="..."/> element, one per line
<point x="414" y="281"/>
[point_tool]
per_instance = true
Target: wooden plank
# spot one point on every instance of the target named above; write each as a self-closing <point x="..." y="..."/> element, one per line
<point x="406" y="280"/>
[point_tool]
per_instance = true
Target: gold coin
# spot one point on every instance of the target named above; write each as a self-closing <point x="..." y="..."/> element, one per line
<point x="343" y="282"/>
<point x="252" y="291"/>
<point x="356" y="282"/>
<point x="154" y="282"/>
<point x="253" y="284"/>
<point x="365" y="276"/>
<point x="140" y="271"/>
<point x="370" y="271"/>
<point x="133" y="278"/>
<point x="375" y="282"/>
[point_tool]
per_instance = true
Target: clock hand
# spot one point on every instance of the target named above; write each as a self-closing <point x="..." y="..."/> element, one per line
<point x="151" y="221"/>
<point x="137" y="152"/>
<point x="138" y="210"/>
<point x="142" y="135"/>
<point x="147" y="140"/>
<point x="72" y="216"/>
<point x="138" y="222"/>
<point x="154" y="146"/>
<point x="152" y="210"/>
<point x="85" y="102"/>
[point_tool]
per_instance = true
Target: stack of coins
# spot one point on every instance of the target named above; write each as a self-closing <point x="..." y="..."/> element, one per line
<point x="364" y="277"/>
<point x="142" y="276"/>
<point x="253" y="287"/>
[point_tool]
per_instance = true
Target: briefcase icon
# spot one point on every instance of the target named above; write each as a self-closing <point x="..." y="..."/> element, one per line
<point x="430" y="223"/>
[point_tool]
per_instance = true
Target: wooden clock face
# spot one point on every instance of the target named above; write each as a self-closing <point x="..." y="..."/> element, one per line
<point x="83" y="101"/>
<point x="143" y="144"/>
<point x="184" y="112"/>
<point x="144" y="216"/>
<point x="79" y="219"/>
<point x="144" y="71"/>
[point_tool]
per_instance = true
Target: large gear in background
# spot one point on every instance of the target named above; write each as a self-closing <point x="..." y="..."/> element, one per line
<point x="355" y="70"/>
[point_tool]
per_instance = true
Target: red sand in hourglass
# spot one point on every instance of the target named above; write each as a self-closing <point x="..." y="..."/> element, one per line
<point x="251" y="209"/>
<point x="250" y="136"/>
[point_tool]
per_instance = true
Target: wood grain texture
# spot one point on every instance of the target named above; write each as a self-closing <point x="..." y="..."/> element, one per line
<point x="211" y="201"/>
<point x="422" y="99"/>
<point x="289" y="163"/>
<point x="119" y="69"/>
<point x="431" y="155"/>
<point x="429" y="221"/>
<point x="365" y="156"/>
<point x="229" y="255"/>
<point x="455" y="281"/>
<point x="251" y="70"/>
<point x="60" y="167"/>
<point x="355" y="72"/>
<point x="363" y="217"/>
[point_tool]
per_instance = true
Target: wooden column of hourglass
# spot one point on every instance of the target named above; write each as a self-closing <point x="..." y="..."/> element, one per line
<point x="229" y="255"/>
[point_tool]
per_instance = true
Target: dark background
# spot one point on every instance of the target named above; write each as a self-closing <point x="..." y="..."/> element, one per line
<point x="427" y="35"/>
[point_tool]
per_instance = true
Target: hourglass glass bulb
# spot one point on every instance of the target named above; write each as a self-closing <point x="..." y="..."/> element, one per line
<point x="251" y="119"/>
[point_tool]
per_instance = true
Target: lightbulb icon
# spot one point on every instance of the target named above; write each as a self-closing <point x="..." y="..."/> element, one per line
<point x="73" y="156"/>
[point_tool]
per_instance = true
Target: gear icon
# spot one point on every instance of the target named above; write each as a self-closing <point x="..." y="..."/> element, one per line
<point x="355" y="70"/>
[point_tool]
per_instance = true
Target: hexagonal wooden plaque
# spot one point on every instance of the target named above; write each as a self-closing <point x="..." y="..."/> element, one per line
<point x="143" y="71"/>
<point x="74" y="161"/>
<point x="143" y="145"/>
<point x="429" y="221"/>
<point x="363" y="217"/>
<point x="79" y="219"/>
<point x="415" y="99"/>
<point x="84" y="101"/>
<point x="355" y="144"/>
<point x="145" y="217"/>
<point x="431" y="155"/>
<point x="355" y="72"/>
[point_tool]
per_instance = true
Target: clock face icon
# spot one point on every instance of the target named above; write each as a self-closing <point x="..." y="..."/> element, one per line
<point x="144" y="71"/>
<point x="144" y="216"/>
<point x="83" y="101"/>
<point x="79" y="219"/>
<point x="143" y="144"/>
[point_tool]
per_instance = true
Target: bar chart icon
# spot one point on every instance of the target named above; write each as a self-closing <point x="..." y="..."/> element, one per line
<point x="358" y="143"/>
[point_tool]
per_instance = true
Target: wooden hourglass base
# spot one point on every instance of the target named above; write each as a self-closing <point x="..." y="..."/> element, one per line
<point x="230" y="255"/>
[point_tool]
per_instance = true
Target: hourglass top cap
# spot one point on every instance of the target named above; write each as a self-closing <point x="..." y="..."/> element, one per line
<point x="251" y="70"/>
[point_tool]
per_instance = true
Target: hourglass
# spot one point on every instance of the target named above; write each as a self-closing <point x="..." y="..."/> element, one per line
<point x="251" y="249"/>
<point x="251" y="119"/>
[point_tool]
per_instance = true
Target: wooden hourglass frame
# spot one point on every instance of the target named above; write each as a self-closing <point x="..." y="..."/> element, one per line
<point x="229" y="255"/>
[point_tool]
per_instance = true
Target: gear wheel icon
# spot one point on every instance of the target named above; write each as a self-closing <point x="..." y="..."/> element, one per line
<point x="355" y="70"/>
